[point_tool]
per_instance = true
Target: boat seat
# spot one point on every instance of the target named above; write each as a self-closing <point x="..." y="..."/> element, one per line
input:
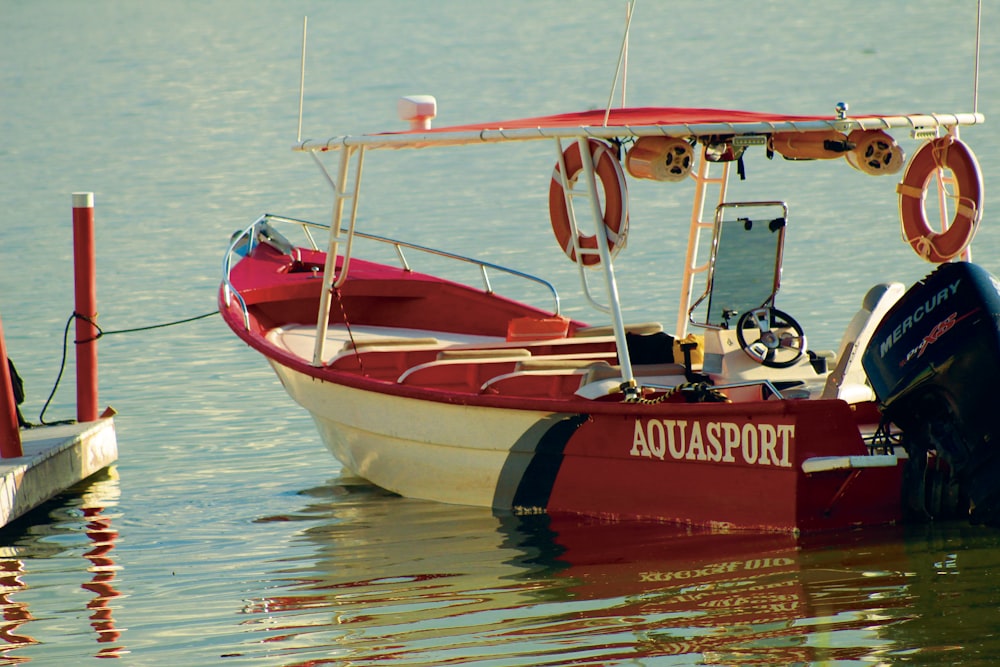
<point x="371" y="343"/>
<point x="565" y="346"/>
<point x="544" y="382"/>
<point x="462" y="374"/>
<point x="601" y="381"/>
<point x="643" y="328"/>
<point x="847" y="380"/>
<point x="384" y="360"/>
<point x="638" y="370"/>
<point x="472" y="371"/>
<point x="482" y="353"/>
<point x="566" y="362"/>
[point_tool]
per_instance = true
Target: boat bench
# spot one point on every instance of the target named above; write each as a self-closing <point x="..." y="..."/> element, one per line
<point x="548" y="368"/>
<point x="601" y="381"/>
<point x="540" y="377"/>
<point x="385" y="358"/>
<point x="392" y="358"/>
<point x="464" y="373"/>
<point x="471" y="370"/>
<point x="563" y="346"/>
<point x="641" y="328"/>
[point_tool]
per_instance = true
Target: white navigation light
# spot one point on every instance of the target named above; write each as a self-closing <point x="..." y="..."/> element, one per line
<point x="418" y="110"/>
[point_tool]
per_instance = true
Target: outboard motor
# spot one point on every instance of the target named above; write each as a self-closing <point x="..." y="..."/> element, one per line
<point x="933" y="363"/>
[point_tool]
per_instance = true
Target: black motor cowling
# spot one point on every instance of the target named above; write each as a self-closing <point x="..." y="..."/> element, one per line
<point x="933" y="362"/>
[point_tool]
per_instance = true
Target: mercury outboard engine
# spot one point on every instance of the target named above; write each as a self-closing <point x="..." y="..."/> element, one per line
<point x="934" y="362"/>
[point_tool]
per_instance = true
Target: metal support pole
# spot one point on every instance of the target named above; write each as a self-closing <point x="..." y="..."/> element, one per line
<point x="330" y="277"/>
<point x="617" y="321"/>
<point x="85" y="288"/>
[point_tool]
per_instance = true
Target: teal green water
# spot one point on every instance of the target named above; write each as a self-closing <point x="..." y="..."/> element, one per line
<point x="227" y="535"/>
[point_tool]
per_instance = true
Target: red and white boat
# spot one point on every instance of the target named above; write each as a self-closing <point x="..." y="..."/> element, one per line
<point x="436" y="389"/>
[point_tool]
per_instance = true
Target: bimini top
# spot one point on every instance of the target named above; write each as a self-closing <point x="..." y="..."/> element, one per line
<point x="644" y="121"/>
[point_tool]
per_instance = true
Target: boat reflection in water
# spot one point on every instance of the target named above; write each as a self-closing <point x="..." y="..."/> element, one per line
<point x="402" y="581"/>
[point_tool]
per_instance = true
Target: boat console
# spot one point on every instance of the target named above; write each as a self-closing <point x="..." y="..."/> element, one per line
<point x="746" y="337"/>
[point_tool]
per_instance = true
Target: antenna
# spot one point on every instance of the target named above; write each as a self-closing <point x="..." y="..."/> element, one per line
<point x="628" y="21"/>
<point x="975" y="76"/>
<point x="302" y="78"/>
<point x="622" y="60"/>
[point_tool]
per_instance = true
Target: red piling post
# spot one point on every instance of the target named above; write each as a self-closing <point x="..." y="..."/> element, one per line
<point x="10" y="432"/>
<point x="85" y="287"/>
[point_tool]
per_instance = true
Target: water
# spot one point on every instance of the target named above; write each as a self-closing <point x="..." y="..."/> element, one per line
<point x="226" y="534"/>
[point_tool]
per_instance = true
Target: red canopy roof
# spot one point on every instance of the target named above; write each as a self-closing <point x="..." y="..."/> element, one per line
<point x="636" y="116"/>
<point x="638" y="121"/>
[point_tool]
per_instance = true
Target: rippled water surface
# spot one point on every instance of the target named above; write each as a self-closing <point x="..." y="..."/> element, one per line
<point x="227" y="535"/>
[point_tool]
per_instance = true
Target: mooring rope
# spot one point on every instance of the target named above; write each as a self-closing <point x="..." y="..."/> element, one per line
<point x="100" y="333"/>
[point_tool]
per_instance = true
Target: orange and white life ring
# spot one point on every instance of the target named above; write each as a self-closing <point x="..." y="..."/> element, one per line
<point x="609" y="172"/>
<point x="943" y="153"/>
<point x="803" y="145"/>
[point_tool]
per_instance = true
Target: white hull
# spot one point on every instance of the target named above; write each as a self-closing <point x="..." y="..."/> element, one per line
<point x="422" y="449"/>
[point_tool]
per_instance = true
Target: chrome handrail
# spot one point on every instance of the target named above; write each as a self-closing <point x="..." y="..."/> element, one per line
<point x="249" y="237"/>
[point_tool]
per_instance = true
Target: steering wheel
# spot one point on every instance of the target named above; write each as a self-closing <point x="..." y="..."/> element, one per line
<point x="776" y="339"/>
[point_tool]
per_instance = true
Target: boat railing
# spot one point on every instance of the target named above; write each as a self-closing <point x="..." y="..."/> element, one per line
<point x="260" y="231"/>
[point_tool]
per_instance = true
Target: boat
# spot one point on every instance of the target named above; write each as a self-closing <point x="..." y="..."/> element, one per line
<point x="442" y="389"/>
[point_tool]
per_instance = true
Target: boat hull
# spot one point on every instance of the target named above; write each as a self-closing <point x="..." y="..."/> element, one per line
<point x="718" y="465"/>
<point x="446" y="452"/>
<point x="481" y="428"/>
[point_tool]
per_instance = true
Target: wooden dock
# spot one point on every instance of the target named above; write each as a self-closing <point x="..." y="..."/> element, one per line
<point x="55" y="459"/>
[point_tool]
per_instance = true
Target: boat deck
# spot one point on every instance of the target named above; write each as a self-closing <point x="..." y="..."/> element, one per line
<point x="580" y="366"/>
<point x="300" y="339"/>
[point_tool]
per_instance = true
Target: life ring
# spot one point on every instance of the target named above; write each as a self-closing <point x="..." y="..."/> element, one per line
<point x="825" y="145"/>
<point x="943" y="153"/>
<point x="609" y="172"/>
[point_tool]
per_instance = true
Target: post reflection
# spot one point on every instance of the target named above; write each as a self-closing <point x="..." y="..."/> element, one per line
<point x="58" y="535"/>
<point x="103" y="567"/>
<point x="15" y="614"/>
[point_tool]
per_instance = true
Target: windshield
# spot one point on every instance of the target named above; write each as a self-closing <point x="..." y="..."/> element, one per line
<point x="746" y="260"/>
